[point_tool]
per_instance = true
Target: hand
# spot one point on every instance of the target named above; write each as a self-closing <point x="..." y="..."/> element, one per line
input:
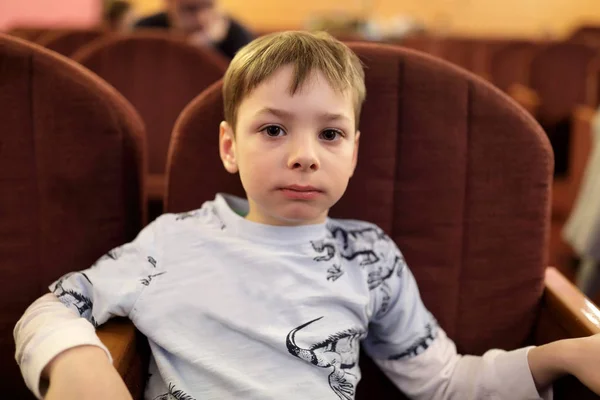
<point x="585" y="361"/>
<point x="84" y="373"/>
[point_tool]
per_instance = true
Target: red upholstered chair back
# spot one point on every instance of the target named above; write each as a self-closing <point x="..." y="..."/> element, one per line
<point x="70" y="180"/>
<point x="68" y="41"/>
<point x="460" y="51"/>
<point x="588" y="34"/>
<point x="449" y="166"/>
<point x="564" y="75"/>
<point x="159" y="74"/>
<point x="29" y="33"/>
<point x="510" y="63"/>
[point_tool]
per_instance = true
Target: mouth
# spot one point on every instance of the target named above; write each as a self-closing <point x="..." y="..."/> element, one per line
<point x="300" y="188"/>
<point x="299" y="192"/>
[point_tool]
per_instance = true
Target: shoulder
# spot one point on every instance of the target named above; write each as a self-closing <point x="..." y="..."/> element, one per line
<point x="237" y="27"/>
<point x="361" y="242"/>
<point x="205" y="216"/>
<point x="353" y="232"/>
<point x="158" y="20"/>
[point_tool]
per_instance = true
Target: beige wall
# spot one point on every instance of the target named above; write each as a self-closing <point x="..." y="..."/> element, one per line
<point x="485" y="17"/>
<point x="80" y="13"/>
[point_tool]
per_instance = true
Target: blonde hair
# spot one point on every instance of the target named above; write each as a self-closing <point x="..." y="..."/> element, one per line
<point x="307" y="52"/>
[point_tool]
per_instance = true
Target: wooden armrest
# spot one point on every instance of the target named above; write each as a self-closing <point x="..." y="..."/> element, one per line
<point x="129" y="351"/>
<point x="526" y="97"/>
<point x="565" y="311"/>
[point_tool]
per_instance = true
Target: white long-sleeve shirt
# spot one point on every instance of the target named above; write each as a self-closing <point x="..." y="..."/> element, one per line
<point x="236" y="309"/>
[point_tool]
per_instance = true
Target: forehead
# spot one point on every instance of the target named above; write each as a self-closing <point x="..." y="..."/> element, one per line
<point x="314" y="93"/>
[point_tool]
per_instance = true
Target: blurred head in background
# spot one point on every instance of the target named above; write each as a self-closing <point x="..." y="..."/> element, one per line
<point x="201" y="20"/>
<point x="118" y="15"/>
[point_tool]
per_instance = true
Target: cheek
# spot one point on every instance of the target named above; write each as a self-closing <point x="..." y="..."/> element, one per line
<point x="255" y="164"/>
<point x="340" y="160"/>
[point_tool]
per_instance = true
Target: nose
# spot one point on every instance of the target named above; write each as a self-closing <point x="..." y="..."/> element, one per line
<point x="303" y="153"/>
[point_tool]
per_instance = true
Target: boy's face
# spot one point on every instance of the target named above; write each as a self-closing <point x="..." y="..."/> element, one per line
<point x="295" y="153"/>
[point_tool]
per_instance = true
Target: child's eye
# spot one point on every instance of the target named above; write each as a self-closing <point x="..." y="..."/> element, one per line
<point x="330" y="134"/>
<point x="273" y="131"/>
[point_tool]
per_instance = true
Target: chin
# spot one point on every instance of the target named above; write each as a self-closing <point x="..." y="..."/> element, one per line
<point x="299" y="216"/>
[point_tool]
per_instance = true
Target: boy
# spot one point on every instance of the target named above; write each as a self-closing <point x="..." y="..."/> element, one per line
<point x="267" y="298"/>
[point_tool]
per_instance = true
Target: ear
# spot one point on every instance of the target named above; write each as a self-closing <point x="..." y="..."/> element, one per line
<point x="355" y="153"/>
<point x="227" y="147"/>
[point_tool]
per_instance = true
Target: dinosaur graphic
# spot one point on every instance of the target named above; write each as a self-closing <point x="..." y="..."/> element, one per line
<point x="152" y="261"/>
<point x="420" y="345"/>
<point x="344" y="234"/>
<point x="338" y="352"/>
<point x="185" y="215"/>
<point x="69" y="297"/>
<point x="321" y="247"/>
<point x="146" y="281"/>
<point x="334" y="272"/>
<point x="174" y="394"/>
<point x="351" y="247"/>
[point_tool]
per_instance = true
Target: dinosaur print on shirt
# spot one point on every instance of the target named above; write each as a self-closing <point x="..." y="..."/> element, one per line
<point x="339" y="352"/>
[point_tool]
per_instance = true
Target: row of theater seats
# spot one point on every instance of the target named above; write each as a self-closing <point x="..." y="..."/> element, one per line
<point x="556" y="81"/>
<point x="158" y="73"/>
<point x="460" y="177"/>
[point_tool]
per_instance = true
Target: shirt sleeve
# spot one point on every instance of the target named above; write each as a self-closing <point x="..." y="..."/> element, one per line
<point x="46" y="329"/>
<point x="82" y="301"/>
<point x="408" y="345"/>
<point x="111" y="286"/>
<point x="440" y="373"/>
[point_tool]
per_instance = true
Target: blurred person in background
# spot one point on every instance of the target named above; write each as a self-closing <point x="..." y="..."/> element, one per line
<point x="582" y="230"/>
<point x="118" y="15"/>
<point x="202" y="23"/>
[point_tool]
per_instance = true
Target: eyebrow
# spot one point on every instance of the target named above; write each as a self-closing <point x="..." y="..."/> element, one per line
<point x="289" y="115"/>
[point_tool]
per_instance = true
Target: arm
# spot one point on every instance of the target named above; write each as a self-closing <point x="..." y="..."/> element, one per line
<point x="566" y="313"/>
<point x="549" y="362"/>
<point x="578" y="357"/>
<point x="441" y="373"/>
<point x="414" y="352"/>
<point x="66" y="319"/>
<point x="85" y="373"/>
<point x="47" y="329"/>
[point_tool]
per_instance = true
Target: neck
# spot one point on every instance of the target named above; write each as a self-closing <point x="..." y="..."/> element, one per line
<point x="258" y="216"/>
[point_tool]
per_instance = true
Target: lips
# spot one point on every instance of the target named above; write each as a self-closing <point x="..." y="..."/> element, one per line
<point x="300" y="188"/>
<point x="299" y="192"/>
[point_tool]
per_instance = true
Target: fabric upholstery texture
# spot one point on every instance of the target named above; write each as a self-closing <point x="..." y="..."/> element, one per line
<point x="27" y="32"/>
<point x="159" y="74"/>
<point x="560" y="74"/>
<point x="564" y="75"/>
<point x="509" y="64"/>
<point x="67" y="41"/>
<point x="71" y="161"/>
